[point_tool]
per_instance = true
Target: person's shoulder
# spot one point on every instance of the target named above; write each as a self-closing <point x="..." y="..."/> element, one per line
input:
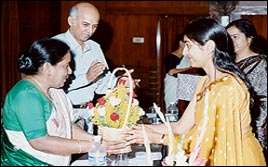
<point x="263" y="57"/>
<point x="92" y="43"/>
<point x="61" y="36"/>
<point x="23" y="88"/>
<point x="260" y="61"/>
<point x="170" y="55"/>
<point x="233" y="82"/>
<point x="173" y="58"/>
<point x="24" y="85"/>
<point x="257" y="58"/>
<point x="229" y="78"/>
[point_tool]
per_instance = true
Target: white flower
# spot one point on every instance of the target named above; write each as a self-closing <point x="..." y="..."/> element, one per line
<point x="115" y="101"/>
<point x="169" y="160"/>
<point x="109" y="91"/>
<point x="141" y="112"/>
<point x="101" y="111"/>
<point x="181" y="158"/>
<point x="135" y="102"/>
<point x="90" y="111"/>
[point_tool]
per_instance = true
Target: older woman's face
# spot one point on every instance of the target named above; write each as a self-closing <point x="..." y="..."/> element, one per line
<point x="240" y="41"/>
<point x="61" y="71"/>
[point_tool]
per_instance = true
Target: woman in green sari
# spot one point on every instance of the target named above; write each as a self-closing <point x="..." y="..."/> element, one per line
<point x="38" y="118"/>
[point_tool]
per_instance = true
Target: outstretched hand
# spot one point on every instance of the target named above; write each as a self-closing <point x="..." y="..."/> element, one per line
<point x="135" y="135"/>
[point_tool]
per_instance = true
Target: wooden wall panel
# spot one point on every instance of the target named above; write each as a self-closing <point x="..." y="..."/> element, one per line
<point x="22" y="24"/>
<point x="10" y="46"/>
<point x="65" y="8"/>
<point x="139" y="7"/>
<point x="123" y="50"/>
<point x="152" y="5"/>
<point x="260" y="22"/>
<point x="38" y="19"/>
<point x="157" y="7"/>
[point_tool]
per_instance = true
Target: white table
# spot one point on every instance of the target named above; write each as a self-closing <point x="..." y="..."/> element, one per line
<point x="138" y="157"/>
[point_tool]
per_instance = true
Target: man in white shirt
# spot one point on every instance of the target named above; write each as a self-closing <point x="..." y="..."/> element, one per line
<point x="91" y="71"/>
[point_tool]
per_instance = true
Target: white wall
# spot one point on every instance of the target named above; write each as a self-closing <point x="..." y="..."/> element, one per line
<point x="249" y="8"/>
<point x="252" y="3"/>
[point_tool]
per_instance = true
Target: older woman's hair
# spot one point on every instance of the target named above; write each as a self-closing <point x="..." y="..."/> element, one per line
<point x="42" y="51"/>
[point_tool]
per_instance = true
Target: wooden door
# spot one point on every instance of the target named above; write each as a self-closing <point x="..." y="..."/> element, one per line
<point x="115" y="34"/>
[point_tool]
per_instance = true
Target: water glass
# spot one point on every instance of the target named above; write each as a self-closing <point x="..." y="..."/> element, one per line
<point x="118" y="160"/>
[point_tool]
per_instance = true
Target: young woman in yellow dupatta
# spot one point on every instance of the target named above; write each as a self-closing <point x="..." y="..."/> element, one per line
<point x="217" y="120"/>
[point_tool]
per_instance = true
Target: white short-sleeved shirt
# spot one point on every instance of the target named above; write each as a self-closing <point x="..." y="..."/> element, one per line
<point x="82" y="61"/>
<point x="170" y="82"/>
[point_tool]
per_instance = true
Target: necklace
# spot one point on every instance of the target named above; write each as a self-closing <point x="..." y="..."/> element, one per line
<point x="42" y="89"/>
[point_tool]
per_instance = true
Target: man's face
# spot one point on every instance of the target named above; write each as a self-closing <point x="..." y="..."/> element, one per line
<point x="85" y="24"/>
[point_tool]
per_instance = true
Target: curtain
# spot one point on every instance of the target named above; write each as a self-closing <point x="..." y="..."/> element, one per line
<point x="9" y="46"/>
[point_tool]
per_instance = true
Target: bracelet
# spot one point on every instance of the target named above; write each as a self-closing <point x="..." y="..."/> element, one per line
<point x="162" y="140"/>
<point x="80" y="147"/>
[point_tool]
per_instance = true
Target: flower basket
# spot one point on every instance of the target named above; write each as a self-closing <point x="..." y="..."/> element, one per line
<point x="113" y="134"/>
<point x="117" y="109"/>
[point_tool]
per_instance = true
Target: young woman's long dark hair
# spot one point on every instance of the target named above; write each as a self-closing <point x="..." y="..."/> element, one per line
<point x="202" y="30"/>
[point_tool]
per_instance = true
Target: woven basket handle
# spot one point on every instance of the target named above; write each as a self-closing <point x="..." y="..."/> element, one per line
<point x="130" y="89"/>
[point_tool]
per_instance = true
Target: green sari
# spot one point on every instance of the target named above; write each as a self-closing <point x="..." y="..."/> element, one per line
<point x="11" y="156"/>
